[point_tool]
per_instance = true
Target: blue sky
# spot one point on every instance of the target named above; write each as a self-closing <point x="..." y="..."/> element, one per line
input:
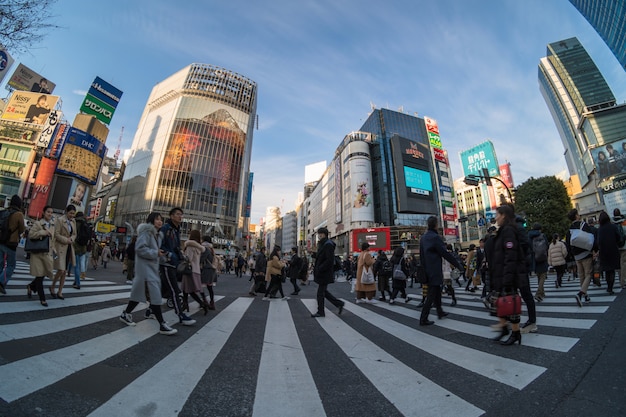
<point x="320" y="65"/>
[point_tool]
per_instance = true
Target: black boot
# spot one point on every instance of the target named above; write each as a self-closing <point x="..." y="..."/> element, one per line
<point x="503" y="332"/>
<point x="516" y="336"/>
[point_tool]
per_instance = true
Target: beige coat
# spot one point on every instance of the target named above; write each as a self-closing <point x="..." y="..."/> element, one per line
<point x="365" y="259"/>
<point x="193" y="251"/>
<point x="62" y="239"/>
<point x="41" y="263"/>
<point x="274" y="267"/>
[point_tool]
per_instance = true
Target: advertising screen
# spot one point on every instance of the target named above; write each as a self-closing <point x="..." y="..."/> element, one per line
<point x="377" y="237"/>
<point x="414" y="180"/>
<point x="480" y="156"/>
<point x="25" y="79"/>
<point x="610" y="159"/>
<point x="81" y="156"/>
<point x="29" y="107"/>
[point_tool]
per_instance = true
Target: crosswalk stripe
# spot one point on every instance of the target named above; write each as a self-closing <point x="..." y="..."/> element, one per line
<point x="26" y="375"/>
<point x="587" y="309"/>
<point x="543" y="341"/>
<point x="185" y="365"/>
<point x="282" y="370"/>
<point x="503" y="370"/>
<point x="33" y="305"/>
<point x="406" y="384"/>
<point x="58" y="324"/>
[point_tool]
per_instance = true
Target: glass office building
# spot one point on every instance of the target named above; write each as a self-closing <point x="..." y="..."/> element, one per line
<point x="591" y="124"/>
<point x="608" y="18"/>
<point x="192" y="150"/>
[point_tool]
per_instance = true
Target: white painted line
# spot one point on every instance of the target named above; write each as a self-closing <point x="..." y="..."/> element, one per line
<point x="165" y="387"/>
<point x="33" y="305"/>
<point x="283" y="370"/>
<point x="400" y="384"/>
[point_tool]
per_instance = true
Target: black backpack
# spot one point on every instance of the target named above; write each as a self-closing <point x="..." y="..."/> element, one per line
<point x="5" y="232"/>
<point x="387" y="269"/>
<point x="337" y="265"/>
<point x="83" y="234"/>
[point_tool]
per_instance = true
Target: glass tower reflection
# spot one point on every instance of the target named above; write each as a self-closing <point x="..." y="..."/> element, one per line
<point x="192" y="150"/>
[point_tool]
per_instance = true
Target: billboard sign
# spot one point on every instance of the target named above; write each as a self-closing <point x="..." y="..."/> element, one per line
<point x="506" y="175"/>
<point x="610" y="159"/>
<point x="29" y="107"/>
<point x="414" y="182"/>
<point x="480" y="156"/>
<point x="5" y="62"/>
<point x="54" y="117"/>
<point x="101" y="100"/>
<point x="25" y="79"/>
<point x="379" y="238"/>
<point x="81" y="156"/>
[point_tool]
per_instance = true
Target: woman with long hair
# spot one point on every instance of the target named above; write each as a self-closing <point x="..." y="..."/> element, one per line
<point x="274" y="273"/>
<point x="506" y="264"/>
<point x="64" y="236"/>
<point x="41" y="263"/>
<point x="192" y="284"/>
<point x="208" y="272"/>
<point x="147" y="277"/>
<point x="364" y="292"/>
<point x="557" y="258"/>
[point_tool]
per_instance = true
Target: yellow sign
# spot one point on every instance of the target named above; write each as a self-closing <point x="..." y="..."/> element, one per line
<point x="105" y="228"/>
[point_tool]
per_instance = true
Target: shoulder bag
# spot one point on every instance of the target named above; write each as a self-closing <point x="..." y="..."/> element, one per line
<point x="508" y="305"/>
<point x="37" y="245"/>
<point x="581" y="239"/>
<point x="367" y="276"/>
<point x="398" y="273"/>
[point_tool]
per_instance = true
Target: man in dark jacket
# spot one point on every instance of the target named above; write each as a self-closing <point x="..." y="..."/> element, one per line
<point x="8" y="249"/>
<point x="583" y="257"/>
<point x="539" y="260"/>
<point x="324" y="272"/>
<point x="258" y="279"/>
<point x="170" y="245"/>
<point x="295" y="270"/>
<point x="432" y="251"/>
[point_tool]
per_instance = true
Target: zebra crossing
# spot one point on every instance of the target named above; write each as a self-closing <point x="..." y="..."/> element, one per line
<point x="260" y="358"/>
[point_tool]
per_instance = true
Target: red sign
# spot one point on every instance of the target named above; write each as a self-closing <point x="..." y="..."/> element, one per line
<point x="378" y="238"/>
<point x="121" y="229"/>
<point x="41" y="187"/>
<point x="506" y="176"/>
<point x="431" y="125"/>
<point x="448" y="217"/>
<point x="449" y="232"/>
<point x="440" y="155"/>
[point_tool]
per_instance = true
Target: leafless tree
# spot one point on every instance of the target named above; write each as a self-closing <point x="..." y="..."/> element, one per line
<point x="24" y="23"/>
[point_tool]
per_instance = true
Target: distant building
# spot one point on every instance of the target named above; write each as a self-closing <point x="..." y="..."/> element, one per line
<point x="608" y="18"/>
<point x="192" y="150"/>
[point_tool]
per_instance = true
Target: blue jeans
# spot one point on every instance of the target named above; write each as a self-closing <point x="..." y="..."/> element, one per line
<point x="8" y="258"/>
<point x="79" y="267"/>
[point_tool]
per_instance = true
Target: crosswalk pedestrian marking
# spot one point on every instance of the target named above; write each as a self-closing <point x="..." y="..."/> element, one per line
<point x="282" y="370"/>
<point x="185" y="365"/>
<point x="405" y="385"/>
<point x="26" y="375"/>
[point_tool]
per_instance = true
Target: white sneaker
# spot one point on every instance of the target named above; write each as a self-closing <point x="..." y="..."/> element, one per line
<point x="360" y="300"/>
<point x="391" y="301"/>
<point x="407" y="300"/>
<point x="129" y="282"/>
<point x="167" y="330"/>
<point x="372" y="301"/>
<point x="127" y="318"/>
<point x="285" y="298"/>
<point x="265" y="298"/>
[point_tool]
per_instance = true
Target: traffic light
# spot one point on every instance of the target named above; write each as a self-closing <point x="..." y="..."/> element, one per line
<point x="472" y="180"/>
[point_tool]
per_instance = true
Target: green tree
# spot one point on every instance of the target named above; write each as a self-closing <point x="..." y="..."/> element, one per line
<point x="545" y="201"/>
<point x="23" y="23"/>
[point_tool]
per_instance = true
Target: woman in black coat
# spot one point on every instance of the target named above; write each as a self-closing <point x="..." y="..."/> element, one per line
<point x="608" y="245"/>
<point x="506" y="267"/>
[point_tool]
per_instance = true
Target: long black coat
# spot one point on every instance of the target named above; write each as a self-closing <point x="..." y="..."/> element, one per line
<point x="432" y="250"/>
<point x="323" y="271"/>
<point x="507" y="263"/>
<point x="608" y="240"/>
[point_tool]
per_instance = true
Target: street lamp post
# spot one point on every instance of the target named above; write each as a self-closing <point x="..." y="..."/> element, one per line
<point x="474" y="180"/>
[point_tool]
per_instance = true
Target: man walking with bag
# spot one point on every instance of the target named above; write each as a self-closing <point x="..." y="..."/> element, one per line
<point x="324" y="272"/>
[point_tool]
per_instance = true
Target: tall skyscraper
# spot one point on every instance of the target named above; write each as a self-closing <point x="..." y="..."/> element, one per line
<point x="586" y="115"/>
<point x="192" y="150"/>
<point x="608" y="18"/>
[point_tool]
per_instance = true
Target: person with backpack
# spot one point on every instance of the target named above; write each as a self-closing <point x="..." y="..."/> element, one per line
<point x="539" y="251"/>
<point x="295" y="270"/>
<point x="582" y="252"/>
<point x="383" y="270"/>
<point x="11" y="228"/>
<point x="80" y="248"/>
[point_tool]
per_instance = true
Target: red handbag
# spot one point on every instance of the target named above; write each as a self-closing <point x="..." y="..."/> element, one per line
<point x="509" y="305"/>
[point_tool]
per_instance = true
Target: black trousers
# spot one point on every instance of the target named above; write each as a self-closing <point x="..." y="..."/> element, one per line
<point x="169" y="285"/>
<point x="527" y="296"/>
<point x="433" y="296"/>
<point x="323" y="293"/>
<point x="276" y="282"/>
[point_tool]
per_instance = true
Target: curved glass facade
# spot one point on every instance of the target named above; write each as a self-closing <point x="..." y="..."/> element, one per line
<point x="192" y="150"/>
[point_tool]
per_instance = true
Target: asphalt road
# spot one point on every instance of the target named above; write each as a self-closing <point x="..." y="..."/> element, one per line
<point x="270" y="358"/>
